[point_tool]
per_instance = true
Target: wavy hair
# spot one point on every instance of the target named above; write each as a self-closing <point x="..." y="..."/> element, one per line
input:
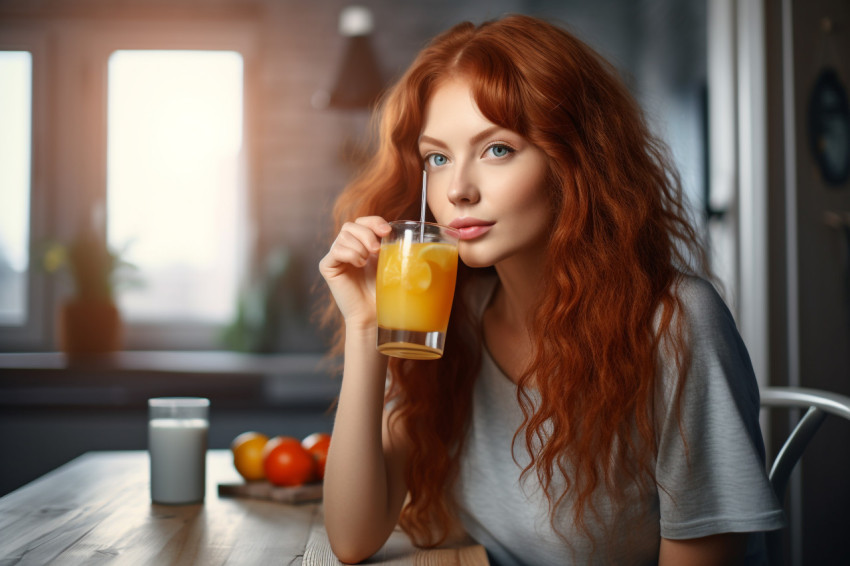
<point x="620" y="241"/>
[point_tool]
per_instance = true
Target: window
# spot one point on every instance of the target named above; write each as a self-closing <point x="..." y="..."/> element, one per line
<point x="15" y="150"/>
<point x="140" y="124"/>
<point x="174" y="191"/>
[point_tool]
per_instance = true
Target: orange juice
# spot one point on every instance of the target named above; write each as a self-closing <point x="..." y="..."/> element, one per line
<point x="415" y="287"/>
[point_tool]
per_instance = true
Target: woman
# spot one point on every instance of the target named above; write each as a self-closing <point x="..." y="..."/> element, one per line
<point x="594" y="403"/>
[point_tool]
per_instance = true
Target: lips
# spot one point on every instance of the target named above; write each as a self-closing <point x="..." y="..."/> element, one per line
<point x="471" y="228"/>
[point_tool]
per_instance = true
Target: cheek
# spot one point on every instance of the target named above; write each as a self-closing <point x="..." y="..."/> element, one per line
<point x="437" y="203"/>
<point x="531" y="200"/>
<point x="525" y="186"/>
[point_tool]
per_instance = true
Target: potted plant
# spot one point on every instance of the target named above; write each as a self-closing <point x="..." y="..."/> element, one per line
<point x="89" y="321"/>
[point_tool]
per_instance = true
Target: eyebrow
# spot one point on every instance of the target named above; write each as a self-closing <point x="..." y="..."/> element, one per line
<point x="474" y="140"/>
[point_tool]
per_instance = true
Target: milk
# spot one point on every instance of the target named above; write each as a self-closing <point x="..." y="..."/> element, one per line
<point x="178" y="449"/>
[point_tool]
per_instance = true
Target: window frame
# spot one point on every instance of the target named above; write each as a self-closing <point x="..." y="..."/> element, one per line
<point x="73" y="84"/>
<point x="33" y="333"/>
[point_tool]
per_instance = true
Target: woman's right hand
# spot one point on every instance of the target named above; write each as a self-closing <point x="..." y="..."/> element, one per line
<point x="350" y="266"/>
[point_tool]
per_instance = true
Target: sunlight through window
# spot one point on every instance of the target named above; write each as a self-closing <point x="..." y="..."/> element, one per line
<point x="174" y="184"/>
<point x="15" y="144"/>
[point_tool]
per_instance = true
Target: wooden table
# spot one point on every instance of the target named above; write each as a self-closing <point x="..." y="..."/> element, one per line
<point x="97" y="509"/>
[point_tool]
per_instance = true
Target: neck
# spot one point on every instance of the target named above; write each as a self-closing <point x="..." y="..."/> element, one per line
<point x="520" y="281"/>
<point x="507" y="318"/>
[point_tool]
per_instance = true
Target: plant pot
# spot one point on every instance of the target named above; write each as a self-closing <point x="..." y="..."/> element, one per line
<point x="89" y="326"/>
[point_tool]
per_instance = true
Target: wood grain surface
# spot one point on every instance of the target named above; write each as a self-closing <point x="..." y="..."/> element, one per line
<point x="96" y="510"/>
<point x="398" y="551"/>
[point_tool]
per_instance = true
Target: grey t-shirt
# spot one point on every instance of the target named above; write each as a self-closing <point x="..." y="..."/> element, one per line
<point x="719" y="486"/>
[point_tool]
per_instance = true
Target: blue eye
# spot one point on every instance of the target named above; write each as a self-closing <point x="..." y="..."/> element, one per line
<point x="436" y="160"/>
<point x="500" y="150"/>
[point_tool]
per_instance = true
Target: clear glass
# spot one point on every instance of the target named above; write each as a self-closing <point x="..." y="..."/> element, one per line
<point x="175" y="196"/>
<point x="177" y="445"/>
<point x="15" y="159"/>
<point x="417" y="270"/>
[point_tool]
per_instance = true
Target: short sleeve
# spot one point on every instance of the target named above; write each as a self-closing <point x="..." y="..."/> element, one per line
<point x="711" y="468"/>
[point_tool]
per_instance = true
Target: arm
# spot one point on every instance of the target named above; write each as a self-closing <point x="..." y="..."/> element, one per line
<point x="726" y="549"/>
<point x="364" y="482"/>
<point x="710" y="455"/>
<point x="364" y="477"/>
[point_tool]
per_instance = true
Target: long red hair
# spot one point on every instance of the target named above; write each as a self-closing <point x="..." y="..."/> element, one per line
<point x="621" y="238"/>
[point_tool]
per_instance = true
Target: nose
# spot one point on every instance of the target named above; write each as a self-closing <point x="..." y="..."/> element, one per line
<point x="463" y="188"/>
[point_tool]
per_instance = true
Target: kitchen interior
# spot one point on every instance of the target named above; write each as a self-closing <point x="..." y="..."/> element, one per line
<point x="728" y="84"/>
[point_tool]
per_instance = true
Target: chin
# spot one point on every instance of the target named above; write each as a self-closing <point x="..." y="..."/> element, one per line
<point x="475" y="260"/>
<point x="474" y="265"/>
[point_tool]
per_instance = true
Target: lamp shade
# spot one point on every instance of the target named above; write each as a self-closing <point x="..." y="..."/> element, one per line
<point x="358" y="82"/>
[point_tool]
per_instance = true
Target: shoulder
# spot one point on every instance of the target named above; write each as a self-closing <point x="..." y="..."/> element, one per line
<point x="715" y="353"/>
<point x="700" y="302"/>
<point x="703" y="318"/>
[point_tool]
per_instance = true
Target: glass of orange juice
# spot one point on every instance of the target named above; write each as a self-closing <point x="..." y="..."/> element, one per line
<point x="417" y="269"/>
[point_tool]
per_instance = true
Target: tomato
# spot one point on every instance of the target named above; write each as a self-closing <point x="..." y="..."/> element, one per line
<point x="287" y="463"/>
<point x="317" y="444"/>
<point x="247" y="451"/>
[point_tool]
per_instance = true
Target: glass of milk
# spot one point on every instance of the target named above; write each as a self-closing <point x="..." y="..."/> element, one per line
<point x="177" y="443"/>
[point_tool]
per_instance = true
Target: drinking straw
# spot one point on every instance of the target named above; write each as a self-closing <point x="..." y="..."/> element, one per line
<point x="424" y="199"/>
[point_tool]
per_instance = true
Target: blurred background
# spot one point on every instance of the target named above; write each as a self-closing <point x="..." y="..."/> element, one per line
<point x="206" y="141"/>
<point x="167" y="168"/>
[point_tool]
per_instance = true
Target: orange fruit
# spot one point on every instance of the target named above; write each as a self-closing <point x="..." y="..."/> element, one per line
<point x="317" y="444"/>
<point x="247" y="451"/>
<point x="287" y="463"/>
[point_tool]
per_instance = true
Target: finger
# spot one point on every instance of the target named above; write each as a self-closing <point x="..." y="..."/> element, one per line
<point x="363" y="230"/>
<point x="374" y="222"/>
<point x="339" y="260"/>
<point x="350" y="256"/>
<point x="361" y="240"/>
<point x="350" y="249"/>
<point x="377" y="224"/>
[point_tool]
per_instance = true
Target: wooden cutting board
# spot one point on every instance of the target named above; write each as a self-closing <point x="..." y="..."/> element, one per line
<point x="310" y="492"/>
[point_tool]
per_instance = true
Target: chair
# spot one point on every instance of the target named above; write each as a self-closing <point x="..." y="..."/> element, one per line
<point x="819" y="404"/>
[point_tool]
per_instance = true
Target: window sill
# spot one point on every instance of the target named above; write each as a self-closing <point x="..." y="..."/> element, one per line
<point x="129" y="378"/>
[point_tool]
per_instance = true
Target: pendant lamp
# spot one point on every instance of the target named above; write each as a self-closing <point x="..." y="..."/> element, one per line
<point x="358" y="83"/>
